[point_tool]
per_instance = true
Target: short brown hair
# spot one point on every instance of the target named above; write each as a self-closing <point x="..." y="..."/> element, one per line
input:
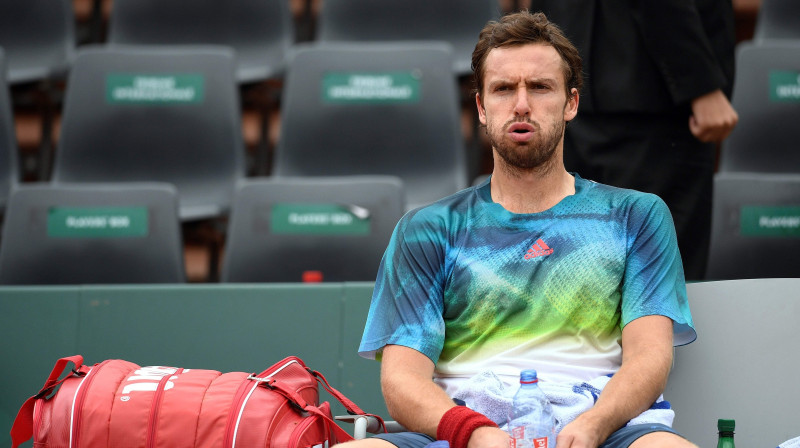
<point x="526" y="28"/>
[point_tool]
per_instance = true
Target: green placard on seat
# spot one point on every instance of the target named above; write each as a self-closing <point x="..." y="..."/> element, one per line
<point x="387" y="87"/>
<point x="319" y="219"/>
<point x="155" y="88"/>
<point x="770" y="221"/>
<point x="784" y="87"/>
<point x="97" y="222"/>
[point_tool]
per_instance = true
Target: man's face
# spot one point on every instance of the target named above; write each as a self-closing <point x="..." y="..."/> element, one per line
<point x="524" y="104"/>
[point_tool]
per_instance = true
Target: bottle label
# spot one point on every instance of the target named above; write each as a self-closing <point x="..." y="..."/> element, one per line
<point x="518" y="439"/>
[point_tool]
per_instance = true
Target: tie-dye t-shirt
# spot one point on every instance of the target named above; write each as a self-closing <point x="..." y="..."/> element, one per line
<point x="476" y="287"/>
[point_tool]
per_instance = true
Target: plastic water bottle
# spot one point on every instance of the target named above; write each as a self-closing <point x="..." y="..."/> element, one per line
<point x="531" y="424"/>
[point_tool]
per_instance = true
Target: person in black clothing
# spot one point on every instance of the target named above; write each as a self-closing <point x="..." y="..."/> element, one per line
<point x="655" y="102"/>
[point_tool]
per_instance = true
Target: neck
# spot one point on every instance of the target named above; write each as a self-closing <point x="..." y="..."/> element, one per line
<point x="531" y="191"/>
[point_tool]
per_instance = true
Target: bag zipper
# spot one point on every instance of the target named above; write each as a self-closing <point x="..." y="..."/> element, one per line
<point x="77" y="404"/>
<point x="152" y="424"/>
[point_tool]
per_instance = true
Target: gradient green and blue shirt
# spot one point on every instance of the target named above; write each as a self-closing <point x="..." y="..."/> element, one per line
<point x="476" y="287"/>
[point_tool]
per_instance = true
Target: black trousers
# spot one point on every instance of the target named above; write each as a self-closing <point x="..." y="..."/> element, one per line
<point x="655" y="154"/>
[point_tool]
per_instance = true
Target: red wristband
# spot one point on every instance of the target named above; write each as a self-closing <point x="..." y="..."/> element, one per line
<point x="458" y="423"/>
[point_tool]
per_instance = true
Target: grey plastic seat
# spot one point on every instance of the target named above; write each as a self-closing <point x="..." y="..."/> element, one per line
<point x="755" y="226"/>
<point x="38" y="37"/>
<point x="9" y="167"/>
<point x="778" y="19"/>
<point x="161" y="114"/>
<point x="745" y="353"/>
<point x="386" y="108"/>
<point x="328" y="229"/>
<point x="454" y="21"/>
<point x="766" y="95"/>
<point x="91" y="233"/>
<point x="260" y="31"/>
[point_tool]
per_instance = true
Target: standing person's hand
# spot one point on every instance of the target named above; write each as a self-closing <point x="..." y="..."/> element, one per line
<point x="713" y="117"/>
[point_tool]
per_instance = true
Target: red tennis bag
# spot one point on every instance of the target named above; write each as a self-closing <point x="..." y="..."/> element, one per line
<point x="119" y="404"/>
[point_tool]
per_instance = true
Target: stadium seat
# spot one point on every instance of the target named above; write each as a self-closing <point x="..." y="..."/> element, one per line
<point x="260" y="31"/>
<point x="755" y="226"/>
<point x="766" y="95"/>
<point x="777" y="19"/>
<point x="385" y="108"/>
<point x="311" y="229"/>
<point x="453" y="21"/>
<point x="38" y="37"/>
<point x="9" y="169"/>
<point x="91" y="234"/>
<point x="166" y="114"/>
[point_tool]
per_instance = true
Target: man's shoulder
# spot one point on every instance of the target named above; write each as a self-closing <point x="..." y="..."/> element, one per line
<point x="618" y="196"/>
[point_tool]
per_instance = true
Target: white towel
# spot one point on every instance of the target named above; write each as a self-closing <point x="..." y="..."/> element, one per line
<point x="791" y="443"/>
<point x="486" y="393"/>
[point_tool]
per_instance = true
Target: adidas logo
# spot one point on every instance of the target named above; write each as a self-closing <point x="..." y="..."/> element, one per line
<point x="538" y="249"/>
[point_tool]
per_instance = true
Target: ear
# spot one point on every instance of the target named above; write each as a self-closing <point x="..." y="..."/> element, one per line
<point x="571" y="108"/>
<point x="481" y="109"/>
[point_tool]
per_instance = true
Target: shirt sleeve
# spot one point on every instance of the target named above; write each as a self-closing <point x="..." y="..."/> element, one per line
<point x="407" y="304"/>
<point x="654" y="281"/>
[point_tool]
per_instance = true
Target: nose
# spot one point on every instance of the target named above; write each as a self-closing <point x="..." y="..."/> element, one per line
<point x="522" y="107"/>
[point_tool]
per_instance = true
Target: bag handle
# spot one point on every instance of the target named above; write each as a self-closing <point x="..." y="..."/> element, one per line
<point x="22" y="429"/>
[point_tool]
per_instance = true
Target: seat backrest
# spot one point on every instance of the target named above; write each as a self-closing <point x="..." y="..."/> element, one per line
<point x="91" y="233"/>
<point x="743" y="365"/>
<point x="9" y="167"/>
<point x="454" y="21"/>
<point x="766" y="95"/>
<point x="260" y="31"/>
<point x="755" y="226"/>
<point x="311" y="229"/>
<point x="388" y="109"/>
<point x="166" y="114"/>
<point x="778" y="19"/>
<point x="38" y="37"/>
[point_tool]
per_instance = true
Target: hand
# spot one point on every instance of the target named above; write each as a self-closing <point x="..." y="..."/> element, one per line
<point x="489" y="437"/>
<point x="583" y="432"/>
<point x="713" y="117"/>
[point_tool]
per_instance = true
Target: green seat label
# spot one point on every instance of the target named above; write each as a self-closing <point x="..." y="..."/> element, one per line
<point x="770" y="221"/>
<point x="97" y="222"/>
<point x="155" y="89"/>
<point x="784" y="87"/>
<point x="392" y="87"/>
<point x="319" y="219"/>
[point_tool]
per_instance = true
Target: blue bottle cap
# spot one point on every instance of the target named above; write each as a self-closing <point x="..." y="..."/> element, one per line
<point x="528" y="376"/>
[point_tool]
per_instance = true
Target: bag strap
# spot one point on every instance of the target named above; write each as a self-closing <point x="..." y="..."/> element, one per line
<point x="22" y="429"/>
<point x="296" y="400"/>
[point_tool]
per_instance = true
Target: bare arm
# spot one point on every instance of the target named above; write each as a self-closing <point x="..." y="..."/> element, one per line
<point x="646" y="361"/>
<point x="415" y="401"/>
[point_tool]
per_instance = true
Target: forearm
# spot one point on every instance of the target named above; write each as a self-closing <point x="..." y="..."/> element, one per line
<point x="646" y="361"/>
<point x="413" y="399"/>
<point x="631" y="391"/>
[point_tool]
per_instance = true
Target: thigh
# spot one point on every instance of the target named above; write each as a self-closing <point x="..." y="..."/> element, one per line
<point x="403" y="439"/>
<point x="646" y="436"/>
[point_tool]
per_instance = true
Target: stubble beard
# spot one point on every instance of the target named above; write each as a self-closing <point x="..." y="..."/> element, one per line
<point x="536" y="155"/>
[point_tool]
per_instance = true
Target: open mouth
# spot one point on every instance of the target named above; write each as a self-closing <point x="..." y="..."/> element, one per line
<point x="521" y="131"/>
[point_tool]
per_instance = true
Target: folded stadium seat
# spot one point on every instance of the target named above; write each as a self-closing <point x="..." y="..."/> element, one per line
<point x="38" y="37"/>
<point x="91" y="234"/>
<point x="9" y="168"/>
<point x="374" y="108"/>
<point x="778" y="19"/>
<point x="755" y="226"/>
<point x="260" y="31"/>
<point x="40" y="41"/>
<point x="454" y="21"/>
<point x="311" y="228"/>
<point x="766" y="95"/>
<point x="166" y="114"/>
